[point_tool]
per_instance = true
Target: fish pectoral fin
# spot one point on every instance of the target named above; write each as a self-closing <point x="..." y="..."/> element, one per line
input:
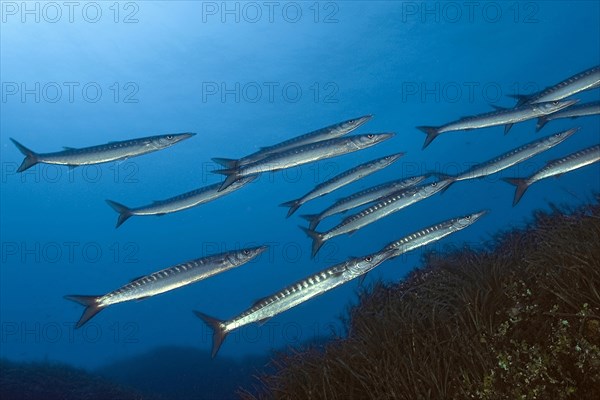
<point x="352" y="232"/>
<point x="361" y="279"/>
<point x="558" y="176"/>
<point x="72" y="167"/>
<point x="143" y="298"/>
<point x="160" y="214"/>
<point x="261" y="322"/>
<point x="499" y="108"/>
<point x="69" y="148"/>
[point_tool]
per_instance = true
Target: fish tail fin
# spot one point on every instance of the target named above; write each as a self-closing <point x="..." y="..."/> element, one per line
<point x="31" y="158"/>
<point x="317" y="239"/>
<point x="540" y="123"/>
<point x="227" y="162"/>
<point x="431" y="131"/>
<point x="293" y="205"/>
<point x="313" y="220"/>
<point x="219" y="332"/>
<point x="91" y="307"/>
<point x="521" y="185"/>
<point x="521" y="99"/>
<point x="124" y="211"/>
<point x="232" y="175"/>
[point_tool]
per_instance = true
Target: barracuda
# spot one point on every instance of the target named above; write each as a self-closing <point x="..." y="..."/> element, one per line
<point x="502" y="116"/>
<point x="102" y="153"/>
<point x="165" y="280"/>
<point x="588" y="79"/>
<point x="556" y="168"/>
<point x="329" y="279"/>
<point x="290" y="296"/>
<point x="177" y="203"/>
<point x="342" y="179"/>
<point x="363" y="197"/>
<point x="580" y="110"/>
<point x="512" y="157"/>
<point x="303" y="155"/>
<point x="432" y="234"/>
<point x="383" y="208"/>
<point x="329" y="132"/>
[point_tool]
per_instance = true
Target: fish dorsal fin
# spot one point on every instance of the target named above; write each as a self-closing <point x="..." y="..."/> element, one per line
<point x="257" y="302"/>
<point x="136" y="278"/>
<point x="69" y="148"/>
<point x="499" y="108"/>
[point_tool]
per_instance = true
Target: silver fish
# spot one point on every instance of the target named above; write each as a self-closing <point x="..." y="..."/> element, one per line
<point x="303" y="155"/>
<point x="329" y="132"/>
<point x="177" y="203"/>
<point x="556" y="168"/>
<point x="579" y="110"/>
<point x="432" y="234"/>
<point x="292" y="296"/>
<point x="165" y="280"/>
<point x="386" y="206"/>
<point x="586" y="80"/>
<point x="102" y="153"/>
<point x="512" y="157"/>
<point x="342" y="179"/>
<point x="502" y="116"/>
<point x="330" y="278"/>
<point x="363" y="197"/>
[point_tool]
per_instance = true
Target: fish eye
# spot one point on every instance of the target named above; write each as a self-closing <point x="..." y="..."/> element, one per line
<point x="370" y="136"/>
<point x="246" y="252"/>
<point x="555" y="103"/>
<point x="434" y="184"/>
<point x="468" y="218"/>
<point x="169" y="137"/>
<point x="368" y="259"/>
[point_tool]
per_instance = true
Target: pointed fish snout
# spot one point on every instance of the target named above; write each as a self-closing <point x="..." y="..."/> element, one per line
<point x="569" y="103"/>
<point x="477" y="215"/>
<point x="380" y="137"/>
<point x="571" y="131"/>
<point x="364" y="119"/>
<point x="396" y="156"/>
<point x="260" y="249"/>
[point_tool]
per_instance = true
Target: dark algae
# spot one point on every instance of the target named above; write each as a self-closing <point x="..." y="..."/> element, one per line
<point x="54" y="381"/>
<point x="518" y="319"/>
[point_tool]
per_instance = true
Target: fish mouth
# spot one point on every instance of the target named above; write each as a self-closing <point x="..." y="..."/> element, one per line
<point x="363" y="120"/>
<point x="182" y="136"/>
<point x="396" y="156"/>
<point x="571" y="131"/>
<point x="380" y="137"/>
<point x="477" y="215"/>
<point x="569" y="103"/>
<point x="260" y="249"/>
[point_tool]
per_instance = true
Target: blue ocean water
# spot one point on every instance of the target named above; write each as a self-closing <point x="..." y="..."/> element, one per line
<point x="244" y="75"/>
